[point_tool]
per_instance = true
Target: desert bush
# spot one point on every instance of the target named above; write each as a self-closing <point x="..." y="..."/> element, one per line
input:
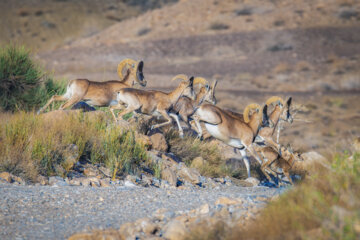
<point x="188" y="148"/>
<point x="31" y="145"/>
<point x="326" y="206"/>
<point x="23" y="84"/>
<point x="219" y="26"/>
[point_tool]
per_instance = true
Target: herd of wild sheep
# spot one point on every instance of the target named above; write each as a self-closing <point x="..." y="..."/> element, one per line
<point x="253" y="130"/>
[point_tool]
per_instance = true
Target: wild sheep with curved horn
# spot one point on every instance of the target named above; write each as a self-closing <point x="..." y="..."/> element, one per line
<point x="152" y="102"/>
<point x="281" y="113"/>
<point x="233" y="131"/>
<point x="186" y="106"/>
<point x="100" y="93"/>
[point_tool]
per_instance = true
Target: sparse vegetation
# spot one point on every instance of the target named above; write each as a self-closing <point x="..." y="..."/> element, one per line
<point x="219" y="26"/>
<point x="322" y="207"/>
<point x="33" y="145"/>
<point x="188" y="148"/>
<point x="23" y="84"/>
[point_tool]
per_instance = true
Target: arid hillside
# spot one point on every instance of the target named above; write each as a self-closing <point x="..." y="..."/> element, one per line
<point x="47" y="24"/>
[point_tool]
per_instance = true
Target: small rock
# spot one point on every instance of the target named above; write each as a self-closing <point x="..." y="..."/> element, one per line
<point x="159" y="142"/>
<point x="127" y="183"/>
<point x="189" y="174"/>
<point x="128" y="230"/>
<point x="6" y="176"/>
<point x="226" y="201"/>
<point x="169" y="175"/>
<point x="253" y="181"/>
<point x="57" y="182"/>
<point x="90" y="172"/>
<point x="146" y="225"/>
<point x="18" y="179"/>
<point x="105" y="171"/>
<point x="84" y="182"/>
<point x="105" y="182"/>
<point x="75" y="182"/>
<point x="175" y="230"/>
<point x="204" y="209"/>
<point x="143" y="139"/>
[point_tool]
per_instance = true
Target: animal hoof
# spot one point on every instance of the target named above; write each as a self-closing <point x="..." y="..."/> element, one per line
<point x="200" y="137"/>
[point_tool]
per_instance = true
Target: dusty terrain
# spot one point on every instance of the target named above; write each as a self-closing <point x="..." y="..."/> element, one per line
<point x="44" y="212"/>
<point x="309" y="50"/>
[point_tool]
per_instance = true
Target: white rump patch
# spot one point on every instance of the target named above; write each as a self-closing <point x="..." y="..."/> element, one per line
<point x="213" y="130"/>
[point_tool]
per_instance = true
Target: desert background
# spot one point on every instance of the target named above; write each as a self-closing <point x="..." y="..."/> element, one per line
<point x="85" y="177"/>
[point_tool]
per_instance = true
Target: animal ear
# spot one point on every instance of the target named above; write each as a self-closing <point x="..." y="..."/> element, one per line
<point x="191" y="81"/>
<point x="288" y="102"/>
<point x="140" y="66"/>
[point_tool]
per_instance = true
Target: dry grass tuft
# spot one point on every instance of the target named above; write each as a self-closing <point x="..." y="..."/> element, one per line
<point x="188" y="148"/>
<point x="33" y="145"/>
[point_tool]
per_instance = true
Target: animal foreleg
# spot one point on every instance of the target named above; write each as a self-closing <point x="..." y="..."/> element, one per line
<point x="181" y="132"/>
<point x="166" y="116"/>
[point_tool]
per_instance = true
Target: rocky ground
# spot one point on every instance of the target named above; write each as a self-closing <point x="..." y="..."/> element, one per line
<point x="57" y="212"/>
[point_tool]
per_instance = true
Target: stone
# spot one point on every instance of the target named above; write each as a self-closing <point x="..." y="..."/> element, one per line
<point x="42" y="180"/>
<point x="197" y="162"/>
<point x="57" y="182"/>
<point x="170" y="176"/>
<point x="18" y="179"/>
<point x="128" y="230"/>
<point x="105" y="182"/>
<point x="226" y="201"/>
<point x="129" y="184"/>
<point x="159" y="142"/>
<point x="147" y="226"/>
<point x="253" y="181"/>
<point x="94" y="182"/>
<point x="189" y="174"/>
<point x="143" y="140"/>
<point x="105" y="171"/>
<point x="90" y="172"/>
<point x="6" y="176"/>
<point x="204" y="209"/>
<point x="84" y="182"/>
<point x="175" y="230"/>
<point x="75" y="182"/>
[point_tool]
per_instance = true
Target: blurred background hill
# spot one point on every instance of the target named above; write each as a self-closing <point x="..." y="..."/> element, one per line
<point x="309" y="49"/>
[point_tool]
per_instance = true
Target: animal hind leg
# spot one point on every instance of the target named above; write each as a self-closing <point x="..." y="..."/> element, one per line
<point x="54" y="98"/>
<point x="70" y="102"/>
<point x="246" y="161"/>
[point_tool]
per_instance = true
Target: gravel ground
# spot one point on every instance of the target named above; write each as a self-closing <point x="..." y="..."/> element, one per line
<point x="44" y="212"/>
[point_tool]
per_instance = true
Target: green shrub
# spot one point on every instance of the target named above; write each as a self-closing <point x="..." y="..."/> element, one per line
<point x="23" y="84"/>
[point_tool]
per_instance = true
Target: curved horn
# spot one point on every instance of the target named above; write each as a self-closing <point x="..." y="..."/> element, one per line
<point x="126" y="62"/>
<point x="247" y="111"/>
<point x="274" y="99"/>
<point x="200" y="80"/>
<point x="181" y="76"/>
<point x="213" y="86"/>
